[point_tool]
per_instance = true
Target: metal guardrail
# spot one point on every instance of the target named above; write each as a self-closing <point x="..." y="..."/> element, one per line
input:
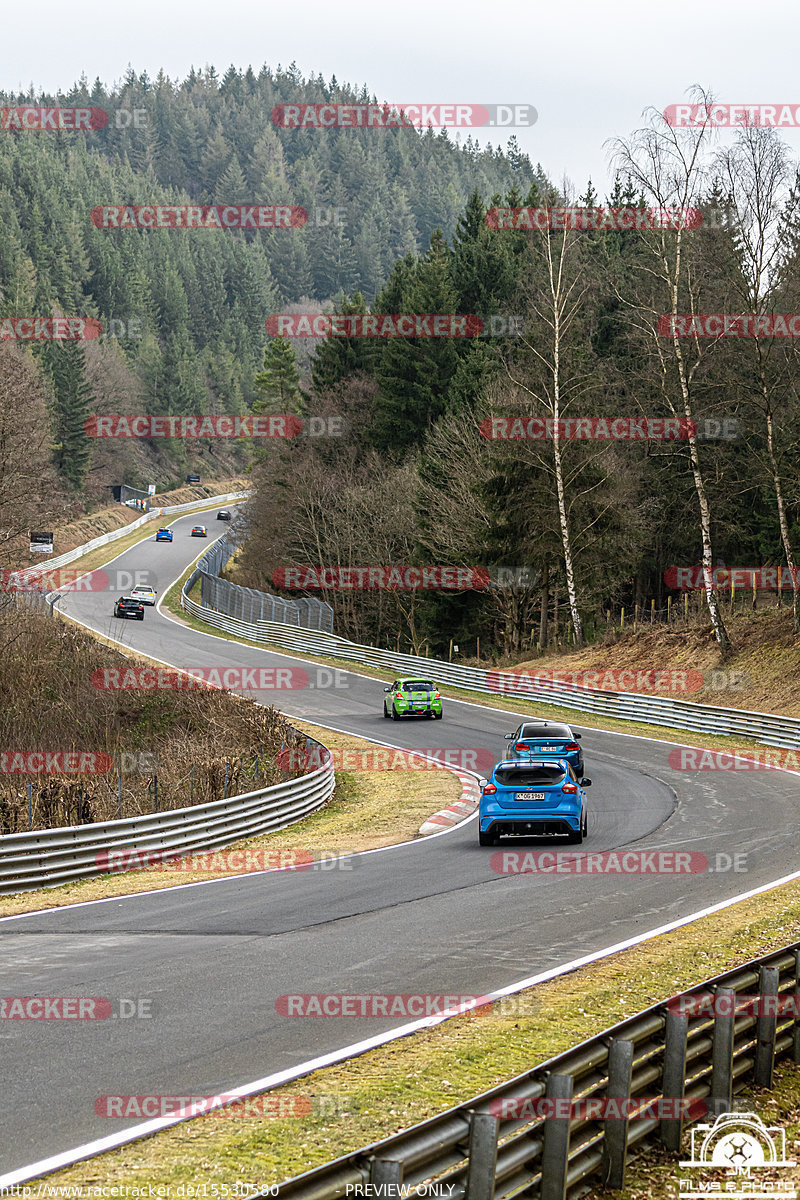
<point x="249" y="604"/>
<point x="661" y="1053"/>
<point x="103" y="540"/>
<point x="48" y="857"/>
<point x="765" y="728"/>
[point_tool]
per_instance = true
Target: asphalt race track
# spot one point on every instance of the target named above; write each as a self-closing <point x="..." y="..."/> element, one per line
<point x="425" y="917"/>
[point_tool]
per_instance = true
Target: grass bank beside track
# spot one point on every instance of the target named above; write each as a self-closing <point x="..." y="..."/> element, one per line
<point x="363" y="814"/>
<point x="515" y="704"/>
<point x="390" y="1088"/>
<point x="393" y="1087"/>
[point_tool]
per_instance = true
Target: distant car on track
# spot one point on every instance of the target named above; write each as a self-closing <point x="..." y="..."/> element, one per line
<point x="411" y="696"/>
<point x="146" y="595"/>
<point x="546" y="739"/>
<point x="199" y="531"/>
<point x="192" y="478"/>
<point x="223" y="515"/>
<point x="530" y="797"/>
<point x="164" y="535"/>
<point x="129" y="606"/>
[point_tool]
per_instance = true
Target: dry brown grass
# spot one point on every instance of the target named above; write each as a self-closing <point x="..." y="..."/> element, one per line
<point x="48" y="671"/>
<point x="368" y="809"/>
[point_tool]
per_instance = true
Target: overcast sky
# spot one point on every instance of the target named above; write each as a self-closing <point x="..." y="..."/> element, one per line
<point x="590" y="69"/>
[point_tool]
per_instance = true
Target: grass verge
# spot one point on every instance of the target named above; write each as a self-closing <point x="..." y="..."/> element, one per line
<point x="368" y="809"/>
<point x="395" y="1086"/>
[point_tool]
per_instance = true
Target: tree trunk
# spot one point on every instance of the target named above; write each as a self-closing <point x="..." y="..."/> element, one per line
<point x="544" y="605"/>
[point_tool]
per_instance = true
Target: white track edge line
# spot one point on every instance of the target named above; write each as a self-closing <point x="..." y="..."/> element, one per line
<point x="135" y="1132"/>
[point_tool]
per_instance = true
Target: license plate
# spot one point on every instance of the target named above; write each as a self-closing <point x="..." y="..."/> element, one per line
<point x="529" y="796"/>
<point x="551" y="747"/>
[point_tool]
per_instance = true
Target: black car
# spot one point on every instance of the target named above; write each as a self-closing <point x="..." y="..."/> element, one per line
<point x="223" y="515"/>
<point x="128" y="606"/>
<point x="192" y="478"/>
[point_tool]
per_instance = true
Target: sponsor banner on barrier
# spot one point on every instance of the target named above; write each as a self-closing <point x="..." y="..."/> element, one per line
<point x="198" y="216"/>
<point x="54" y="762"/>
<point x="725" y="578"/>
<point x="143" y="425"/>
<point x="597" y="219"/>
<point x="690" y="758"/>
<point x="390" y="578"/>
<point x="388" y="759"/>
<point x="615" y="862"/>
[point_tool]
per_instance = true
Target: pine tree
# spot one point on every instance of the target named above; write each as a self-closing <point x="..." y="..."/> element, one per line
<point x="72" y="399"/>
<point x="279" y="382"/>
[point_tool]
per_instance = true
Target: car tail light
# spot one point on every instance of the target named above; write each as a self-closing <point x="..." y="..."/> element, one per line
<point x="398" y="695"/>
<point x="521" y="746"/>
<point x="437" y="695"/>
<point x="489" y="790"/>
<point x="570" y="789"/>
<point x="572" y="747"/>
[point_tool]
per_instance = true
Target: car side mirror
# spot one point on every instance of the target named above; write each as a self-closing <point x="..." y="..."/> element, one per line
<point x="482" y="783"/>
<point x="387" y="689"/>
<point x="577" y="737"/>
<point x="586" y="783"/>
<point x="508" y="736"/>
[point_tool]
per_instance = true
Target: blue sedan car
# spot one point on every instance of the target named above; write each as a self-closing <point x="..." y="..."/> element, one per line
<point x="164" y="535"/>
<point x="547" y="739"/>
<point x="526" y="797"/>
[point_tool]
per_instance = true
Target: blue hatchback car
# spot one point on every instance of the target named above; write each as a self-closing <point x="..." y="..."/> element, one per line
<point x="547" y="739"/>
<point x="164" y="535"/>
<point x="526" y="797"/>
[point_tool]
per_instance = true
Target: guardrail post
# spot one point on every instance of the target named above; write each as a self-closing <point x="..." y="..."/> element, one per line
<point x="674" y="1074"/>
<point x="796" y="1028"/>
<point x="722" y="1054"/>
<point x="766" y="1023"/>
<point x="387" y="1177"/>
<point x="555" y="1146"/>
<point x="615" y="1131"/>
<point x="482" y="1156"/>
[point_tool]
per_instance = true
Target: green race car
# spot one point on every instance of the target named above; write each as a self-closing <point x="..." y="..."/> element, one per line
<point x="410" y="697"/>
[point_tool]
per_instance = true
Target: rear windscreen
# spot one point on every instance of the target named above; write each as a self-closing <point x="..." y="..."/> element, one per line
<point x="554" y="733"/>
<point x="526" y="776"/>
<point x="419" y="685"/>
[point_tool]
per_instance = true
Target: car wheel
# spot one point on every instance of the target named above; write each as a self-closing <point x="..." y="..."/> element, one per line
<point x="394" y="715"/>
<point x="575" y="839"/>
<point x="586" y="824"/>
<point x="385" y="713"/>
<point x="140" y="617"/>
<point x="487" y="839"/>
<point x="438" y="716"/>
